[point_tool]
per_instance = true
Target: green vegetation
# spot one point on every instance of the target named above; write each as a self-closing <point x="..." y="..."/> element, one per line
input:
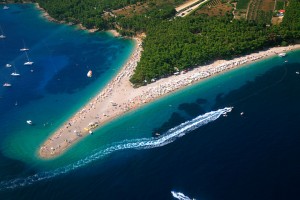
<point x="290" y="27"/>
<point x="279" y="5"/>
<point x="187" y="42"/>
<point x="179" y="43"/>
<point x="242" y="4"/>
<point x="263" y="17"/>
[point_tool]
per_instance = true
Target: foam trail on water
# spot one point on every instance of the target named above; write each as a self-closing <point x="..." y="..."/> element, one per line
<point x="145" y="143"/>
<point x="180" y="196"/>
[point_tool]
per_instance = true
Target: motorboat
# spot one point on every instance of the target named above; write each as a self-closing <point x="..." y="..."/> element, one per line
<point x="89" y="74"/>
<point x="6" y="85"/>
<point x="8" y="65"/>
<point x="282" y="54"/>
<point x="29" y="122"/>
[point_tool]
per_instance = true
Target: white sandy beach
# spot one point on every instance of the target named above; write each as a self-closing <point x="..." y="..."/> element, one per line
<point x="119" y="97"/>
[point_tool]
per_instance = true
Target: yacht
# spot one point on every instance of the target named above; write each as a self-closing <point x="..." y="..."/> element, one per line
<point x="8" y="65"/>
<point x="282" y="54"/>
<point x="6" y="85"/>
<point x="28" y="61"/>
<point x="2" y="36"/>
<point x="15" y="74"/>
<point x="24" y="48"/>
<point x="89" y="74"/>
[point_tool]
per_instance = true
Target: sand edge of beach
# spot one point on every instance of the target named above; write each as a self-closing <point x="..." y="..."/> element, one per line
<point x="119" y="97"/>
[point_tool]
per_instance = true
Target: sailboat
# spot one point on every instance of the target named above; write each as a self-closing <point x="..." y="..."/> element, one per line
<point x="15" y="73"/>
<point x="28" y="61"/>
<point x="6" y="85"/>
<point x="2" y="36"/>
<point x="24" y="48"/>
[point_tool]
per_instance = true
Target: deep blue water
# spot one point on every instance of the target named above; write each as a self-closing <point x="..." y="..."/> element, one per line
<point x="250" y="156"/>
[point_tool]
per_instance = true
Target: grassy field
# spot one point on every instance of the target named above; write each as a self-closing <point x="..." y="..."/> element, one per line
<point x="242" y="4"/>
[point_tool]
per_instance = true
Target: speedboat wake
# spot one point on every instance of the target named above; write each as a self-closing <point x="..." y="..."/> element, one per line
<point x="180" y="196"/>
<point x="144" y="143"/>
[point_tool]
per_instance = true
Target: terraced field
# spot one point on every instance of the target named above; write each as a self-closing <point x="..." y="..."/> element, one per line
<point x="260" y="10"/>
<point x="215" y="8"/>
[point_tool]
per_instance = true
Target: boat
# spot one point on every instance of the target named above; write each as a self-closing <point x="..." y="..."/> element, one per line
<point x="29" y="122"/>
<point x="6" y="85"/>
<point x="282" y="54"/>
<point x="28" y="61"/>
<point x="15" y="74"/>
<point x="8" y="65"/>
<point x="5" y="7"/>
<point x="297" y="73"/>
<point x="89" y="74"/>
<point x="24" y="48"/>
<point x="2" y="36"/>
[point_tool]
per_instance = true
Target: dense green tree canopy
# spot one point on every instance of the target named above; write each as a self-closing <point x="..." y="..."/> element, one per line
<point x="178" y="43"/>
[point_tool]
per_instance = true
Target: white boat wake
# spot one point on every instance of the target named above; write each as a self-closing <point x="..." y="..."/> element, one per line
<point x="180" y="196"/>
<point x="145" y="143"/>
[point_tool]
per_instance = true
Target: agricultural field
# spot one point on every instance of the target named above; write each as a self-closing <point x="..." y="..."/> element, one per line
<point x="215" y="8"/>
<point x="138" y="8"/>
<point x="145" y="6"/>
<point x="260" y="10"/>
<point x="255" y="10"/>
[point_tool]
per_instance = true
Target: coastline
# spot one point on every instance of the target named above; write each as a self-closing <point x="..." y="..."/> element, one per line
<point x="47" y="16"/>
<point x="119" y="97"/>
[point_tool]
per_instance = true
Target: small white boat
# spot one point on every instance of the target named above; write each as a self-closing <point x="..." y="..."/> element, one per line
<point x="29" y="122"/>
<point x="282" y="54"/>
<point x="15" y="74"/>
<point x="242" y="113"/>
<point x="297" y="72"/>
<point x="8" y="65"/>
<point x="24" y="48"/>
<point x="89" y="74"/>
<point x="28" y="61"/>
<point x="2" y="36"/>
<point x="6" y="85"/>
<point x="5" y="7"/>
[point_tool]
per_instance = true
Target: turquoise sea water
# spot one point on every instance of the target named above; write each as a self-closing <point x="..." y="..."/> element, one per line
<point x="250" y="156"/>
